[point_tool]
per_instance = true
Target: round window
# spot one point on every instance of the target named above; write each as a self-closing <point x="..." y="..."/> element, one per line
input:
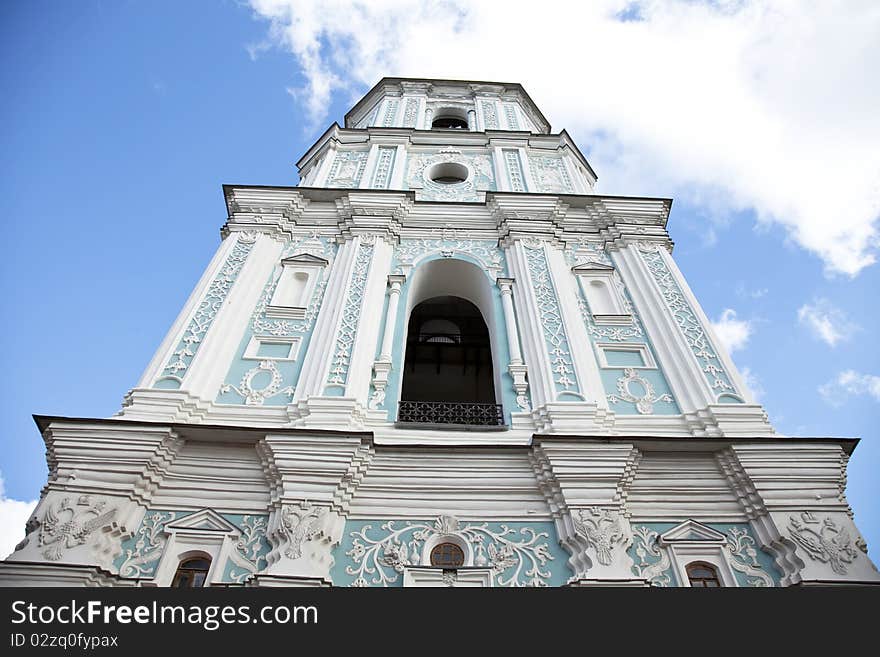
<point x="448" y="173"/>
<point x="447" y="555"/>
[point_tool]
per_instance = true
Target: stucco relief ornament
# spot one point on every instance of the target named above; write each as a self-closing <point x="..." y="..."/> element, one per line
<point x="299" y="524"/>
<point x="653" y="563"/>
<point x="517" y="558"/>
<point x="141" y="560"/>
<point x="645" y="402"/>
<point x="744" y="557"/>
<point x="67" y="525"/>
<point x="823" y="541"/>
<point x="249" y="555"/>
<point x="449" y="242"/>
<point x="258" y="396"/>
<point x="602" y="529"/>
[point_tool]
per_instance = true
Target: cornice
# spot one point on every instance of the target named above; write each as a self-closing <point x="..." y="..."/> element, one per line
<point x="615" y="220"/>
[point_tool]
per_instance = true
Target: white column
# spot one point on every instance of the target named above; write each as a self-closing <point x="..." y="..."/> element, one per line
<point x="540" y="374"/>
<point x="208" y="369"/>
<point x="429" y="117"/>
<point x="316" y="361"/>
<point x="583" y="359"/>
<point x="518" y="370"/>
<point x="506" y="285"/>
<point x="395" y="282"/>
<point x="472" y="120"/>
<point x="172" y="338"/>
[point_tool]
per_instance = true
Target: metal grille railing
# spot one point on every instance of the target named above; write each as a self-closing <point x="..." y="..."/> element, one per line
<point x="450" y="413"/>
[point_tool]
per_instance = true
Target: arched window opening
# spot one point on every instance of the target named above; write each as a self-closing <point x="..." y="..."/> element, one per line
<point x="447" y="375"/>
<point x="703" y="575"/>
<point x="191" y="573"/>
<point x="447" y="555"/>
<point x="446" y="122"/>
<point x="601" y="298"/>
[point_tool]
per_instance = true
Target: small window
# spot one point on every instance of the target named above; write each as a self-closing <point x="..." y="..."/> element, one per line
<point x="274" y="350"/>
<point x="449" y="123"/>
<point x="703" y="575"/>
<point x="191" y="573"/>
<point x="447" y="555"/>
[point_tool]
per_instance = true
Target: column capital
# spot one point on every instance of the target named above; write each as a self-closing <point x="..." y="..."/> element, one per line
<point x="506" y="284"/>
<point x="396" y="280"/>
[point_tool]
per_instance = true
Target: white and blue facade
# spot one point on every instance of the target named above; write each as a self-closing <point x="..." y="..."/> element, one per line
<point x="267" y="434"/>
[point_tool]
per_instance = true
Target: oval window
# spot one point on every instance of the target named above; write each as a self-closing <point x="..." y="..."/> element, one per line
<point x="448" y="173"/>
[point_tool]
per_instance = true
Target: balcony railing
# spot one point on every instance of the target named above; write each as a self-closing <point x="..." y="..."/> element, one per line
<point x="450" y="413"/>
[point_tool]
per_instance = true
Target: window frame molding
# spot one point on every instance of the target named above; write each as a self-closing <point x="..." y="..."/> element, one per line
<point x="302" y="262"/>
<point x="693" y="541"/>
<point x="590" y="271"/>
<point x="253" y="347"/>
<point x="637" y="347"/>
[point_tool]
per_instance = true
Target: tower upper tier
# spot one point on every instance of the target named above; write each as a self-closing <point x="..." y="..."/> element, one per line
<point x="447" y="140"/>
<point x="418" y="103"/>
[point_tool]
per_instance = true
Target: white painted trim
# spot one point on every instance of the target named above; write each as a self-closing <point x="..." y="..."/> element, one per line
<point x="250" y="352"/>
<point x="640" y="348"/>
<point x="175" y="333"/>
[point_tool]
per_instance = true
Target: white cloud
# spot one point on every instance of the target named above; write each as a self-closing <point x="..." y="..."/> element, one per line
<point x="850" y="383"/>
<point x="13" y="516"/>
<point x="826" y="321"/>
<point x="732" y="105"/>
<point x="753" y="383"/>
<point x="745" y="293"/>
<point x="734" y="333"/>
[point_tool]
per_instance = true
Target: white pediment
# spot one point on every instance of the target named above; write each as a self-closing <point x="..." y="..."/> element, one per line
<point x="204" y="520"/>
<point x="691" y="531"/>
<point x="591" y="265"/>
<point x="304" y="259"/>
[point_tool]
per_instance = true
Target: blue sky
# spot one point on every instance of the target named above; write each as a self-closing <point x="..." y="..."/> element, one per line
<point x="122" y="120"/>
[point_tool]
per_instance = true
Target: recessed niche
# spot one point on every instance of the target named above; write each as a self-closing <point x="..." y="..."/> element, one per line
<point x="448" y="173"/>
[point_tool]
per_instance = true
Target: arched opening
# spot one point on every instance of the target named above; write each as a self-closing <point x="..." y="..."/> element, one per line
<point x="703" y="575"/>
<point x="450" y="118"/>
<point x="449" y="374"/>
<point x="448" y="173"/>
<point x="192" y="572"/>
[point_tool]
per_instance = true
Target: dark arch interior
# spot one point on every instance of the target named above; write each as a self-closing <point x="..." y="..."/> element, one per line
<point x="448" y="354"/>
<point x="449" y="123"/>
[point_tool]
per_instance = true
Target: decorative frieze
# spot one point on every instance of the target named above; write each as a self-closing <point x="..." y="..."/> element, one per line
<point x="347" y="169"/>
<point x="691" y="328"/>
<point x="510" y="116"/>
<point x="410" y="112"/>
<point x="550" y="174"/>
<point x="515" y="175"/>
<point x="348" y="325"/>
<point x="384" y="167"/>
<point x="550" y="316"/>
<point x="518" y="554"/>
<point x="448" y="243"/>
<point x="201" y="321"/>
<point x="490" y="114"/>
<point x="390" y="112"/>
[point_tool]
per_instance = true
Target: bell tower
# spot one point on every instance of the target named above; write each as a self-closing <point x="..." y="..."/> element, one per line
<point x="442" y="359"/>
